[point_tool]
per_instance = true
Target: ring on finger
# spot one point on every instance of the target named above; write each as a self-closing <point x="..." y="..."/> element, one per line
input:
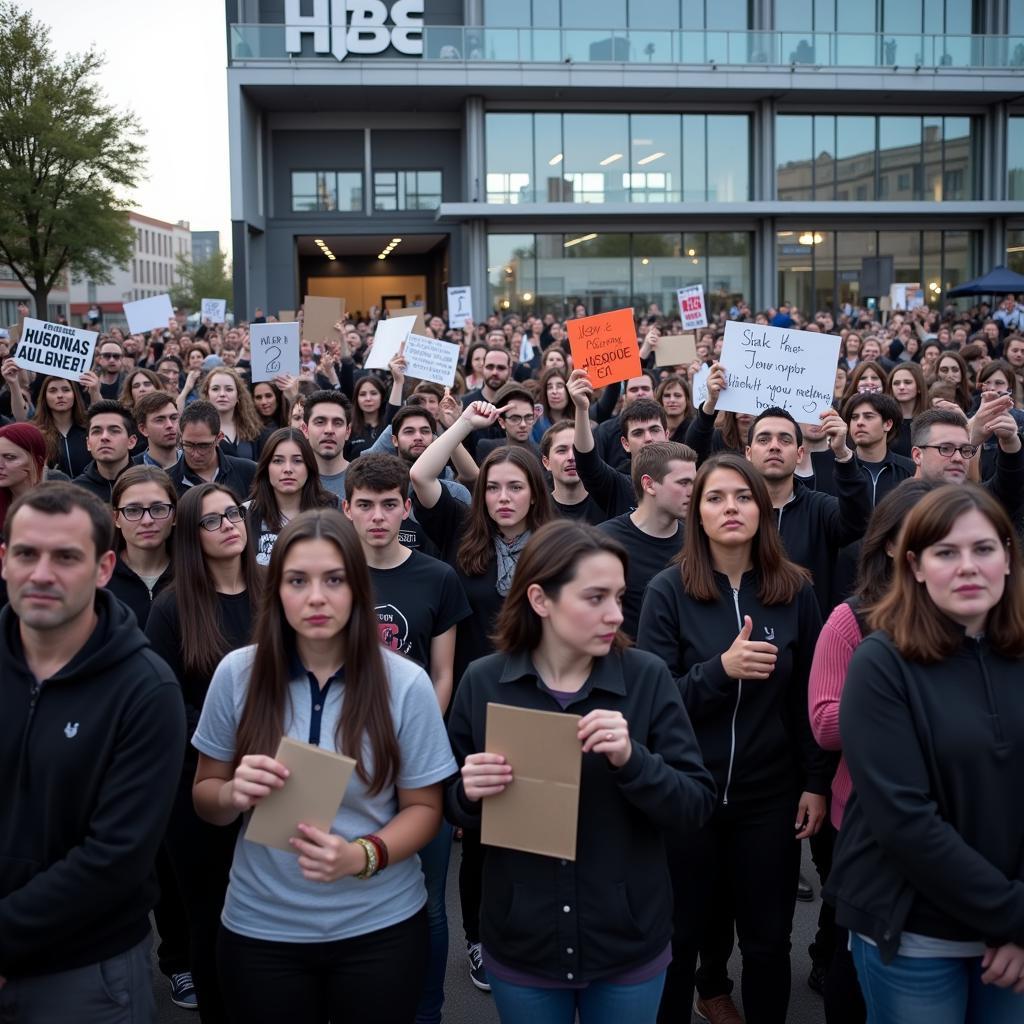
<point x="609" y="736"/>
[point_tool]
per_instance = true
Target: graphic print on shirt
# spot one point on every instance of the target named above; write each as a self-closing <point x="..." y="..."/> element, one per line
<point x="393" y="629"/>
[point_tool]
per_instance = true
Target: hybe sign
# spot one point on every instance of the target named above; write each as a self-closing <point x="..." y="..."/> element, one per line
<point x="341" y="27"/>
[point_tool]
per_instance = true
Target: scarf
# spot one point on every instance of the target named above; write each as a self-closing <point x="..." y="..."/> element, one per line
<point x="508" y="553"/>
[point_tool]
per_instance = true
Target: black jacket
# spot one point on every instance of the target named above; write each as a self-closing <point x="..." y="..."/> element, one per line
<point x="610" y="909"/>
<point x="755" y="736"/>
<point x="891" y="472"/>
<point x="611" y="490"/>
<point x="235" y="474"/>
<point x="933" y="835"/>
<point x="72" y="452"/>
<point x="90" y="761"/>
<point x="91" y="480"/>
<point x="129" y="589"/>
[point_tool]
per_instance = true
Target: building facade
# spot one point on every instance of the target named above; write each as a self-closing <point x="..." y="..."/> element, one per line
<point x="13" y="293"/>
<point x="549" y="152"/>
<point x="204" y="245"/>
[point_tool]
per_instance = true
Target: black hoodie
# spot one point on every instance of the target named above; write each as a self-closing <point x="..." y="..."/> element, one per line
<point x="91" y="480"/>
<point x="89" y="760"/>
<point x="127" y="586"/>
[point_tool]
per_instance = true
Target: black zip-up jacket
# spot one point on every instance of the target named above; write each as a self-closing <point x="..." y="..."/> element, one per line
<point x="892" y="471"/>
<point x="933" y="835"/>
<point x="72" y="452"/>
<point x="99" y="485"/>
<point x="755" y="735"/>
<point x="234" y="473"/>
<point x="129" y="589"/>
<point x="609" y="910"/>
<point x="89" y="760"/>
<point x="611" y="490"/>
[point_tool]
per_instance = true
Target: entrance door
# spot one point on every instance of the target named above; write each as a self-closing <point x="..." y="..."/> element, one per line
<point x="393" y="301"/>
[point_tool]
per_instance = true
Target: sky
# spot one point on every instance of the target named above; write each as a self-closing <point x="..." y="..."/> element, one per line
<point x="166" y="61"/>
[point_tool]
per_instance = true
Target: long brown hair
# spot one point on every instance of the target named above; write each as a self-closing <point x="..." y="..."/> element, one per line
<point x="778" y="579"/>
<point x="920" y="631"/>
<point x="677" y="380"/>
<point x="202" y="635"/>
<point x="247" y="420"/>
<point x="858" y="371"/>
<point x="263" y="507"/>
<point x="47" y="425"/>
<point x="915" y="371"/>
<point x="542" y="393"/>
<point x="366" y="709"/>
<point x="963" y="389"/>
<point x="358" y="420"/>
<point x="125" y="398"/>
<point x="476" y="551"/>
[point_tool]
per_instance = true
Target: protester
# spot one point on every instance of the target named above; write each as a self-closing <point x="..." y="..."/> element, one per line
<point x="569" y="497"/>
<point x="60" y="415"/>
<point x="314" y="934"/>
<point x="22" y="462"/>
<point x="907" y="385"/>
<point x="109" y="370"/>
<point x="271" y="404"/>
<point x="157" y="424"/>
<point x="554" y="401"/>
<point x="110" y="440"/>
<point x="240" y="425"/>
<point x="592" y="935"/>
<point x="136" y="383"/>
<point x="327" y="423"/>
<point x="370" y="414"/>
<point x="202" y="461"/>
<point x="873" y="422"/>
<point x="516" y="418"/>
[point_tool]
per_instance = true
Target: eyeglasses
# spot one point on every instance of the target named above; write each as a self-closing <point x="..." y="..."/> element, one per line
<point x="199" y="446"/>
<point x="946" y="449"/>
<point x="133" y="513"/>
<point x="212" y="523"/>
<point x="520" y="421"/>
<point x="110" y="355"/>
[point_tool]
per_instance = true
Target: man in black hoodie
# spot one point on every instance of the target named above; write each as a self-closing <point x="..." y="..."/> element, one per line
<point x="91" y="737"/>
<point x="110" y="441"/>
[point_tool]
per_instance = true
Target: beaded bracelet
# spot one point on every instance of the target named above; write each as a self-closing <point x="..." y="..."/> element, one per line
<point x="371" y="859"/>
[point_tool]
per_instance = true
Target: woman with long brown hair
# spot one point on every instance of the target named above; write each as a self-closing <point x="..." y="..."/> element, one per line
<point x="736" y="622"/>
<point x="867" y="375"/>
<point x="204" y="614"/>
<point x="928" y="876"/>
<point x="371" y="413"/>
<point x="952" y="369"/>
<point x="60" y="416"/>
<point x="673" y="394"/>
<point x="305" y="936"/>
<point x="907" y="385"/>
<point x="239" y="422"/>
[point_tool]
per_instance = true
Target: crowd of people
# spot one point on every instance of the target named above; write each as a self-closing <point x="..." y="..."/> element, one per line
<point x="766" y="631"/>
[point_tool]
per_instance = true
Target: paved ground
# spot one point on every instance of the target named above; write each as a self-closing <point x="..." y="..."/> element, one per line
<point x="464" y="1004"/>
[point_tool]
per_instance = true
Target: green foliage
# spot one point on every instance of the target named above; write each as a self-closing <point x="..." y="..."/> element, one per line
<point x="207" y="280"/>
<point x="68" y="162"/>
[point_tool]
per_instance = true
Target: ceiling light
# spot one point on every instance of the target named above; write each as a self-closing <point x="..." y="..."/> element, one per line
<point x="527" y="296"/>
<point x="611" y="159"/>
<point x="556" y="159"/>
<point x="319" y="241"/>
<point x="695" y="261"/>
<point x="382" y="256"/>
<point x="691" y="252"/>
<point x="576" y="241"/>
<point x="395" y="241"/>
<point x="332" y="257"/>
<point x="645" y="261"/>
<point x="807" y="238"/>
<point x="650" y="159"/>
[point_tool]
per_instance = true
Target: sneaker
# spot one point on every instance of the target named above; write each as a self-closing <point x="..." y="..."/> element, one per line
<point x="804" y="892"/>
<point x="816" y="979"/>
<point x="477" y="971"/>
<point x="183" y="992"/>
<point x="717" y="1010"/>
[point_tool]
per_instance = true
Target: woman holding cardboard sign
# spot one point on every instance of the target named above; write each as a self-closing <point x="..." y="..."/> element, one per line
<point x="590" y="935"/>
<point x="324" y="932"/>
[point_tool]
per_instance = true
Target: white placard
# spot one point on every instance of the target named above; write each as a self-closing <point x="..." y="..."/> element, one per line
<point x="460" y="306"/>
<point x="274" y="349"/>
<point x="431" y="359"/>
<point x="525" y="349"/>
<point x="906" y="296"/>
<point x="147" y="314"/>
<point x="214" y="310"/>
<point x="699" y="385"/>
<point x="55" y="350"/>
<point x="387" y="339"/>
<point x="776" y="367"/>
<point x="691" y="307"/>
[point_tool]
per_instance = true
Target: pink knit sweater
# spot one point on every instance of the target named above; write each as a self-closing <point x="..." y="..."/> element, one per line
<point x="838" y="639"/>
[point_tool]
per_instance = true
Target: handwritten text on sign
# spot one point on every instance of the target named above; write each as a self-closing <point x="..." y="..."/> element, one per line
<point x="273" y="349"/>
<point x="770" y="367"/>
<point x="55" y="349"/>
<point x="431" y="359"/>
<point x="605" y="346"/>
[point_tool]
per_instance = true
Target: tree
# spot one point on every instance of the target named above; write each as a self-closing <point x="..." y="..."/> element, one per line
<point x="68" y="162"/>
<point x="207" y="280"/>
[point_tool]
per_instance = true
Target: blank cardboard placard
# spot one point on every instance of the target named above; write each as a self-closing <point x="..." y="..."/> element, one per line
<point x="148" y="314"/>
<point x="605" y="346"/>
<point x="676" y="350"/>
<point x="431" y="359"/>
<point x="387" y="339"/>
<point x="311" y="794"/>
<point x="538" y="812"/>
<point x="319" y="315"/>
<point x="54" y="349"/>
<point x="286" y="316"/>
<point x="273" y="349"/>
<point x="420" y="327"/>
<point x="770" y="367"/>
<point x="214" y="310"/>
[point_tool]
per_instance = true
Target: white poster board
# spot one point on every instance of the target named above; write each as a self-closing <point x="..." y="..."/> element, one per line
<point x="387" y="339"/>
<point x="431" y="359"/>
<point x="906" y="296"/>
<point x="148" y="314"/>
<point x="274" y="349"/>
<point x="214" y="310"/>
<point x="460" y="306"/>
<point x="55" y="350"/>
<point x="699" y="385"/>
<point x="770" y="367"/>
<point x="691" y="307"/>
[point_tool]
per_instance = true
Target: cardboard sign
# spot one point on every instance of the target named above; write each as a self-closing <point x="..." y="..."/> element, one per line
<point x="286" y="316"/>
<point x="691" y="307"/>
<point x="775" y="366"/>
<point x="430" y="359"/>
<point x="311" y="794"/>
<point x="214" y="310"/>
<point x="273" y="349"/>
<point x="55" y="350"/>
<point x="320" y="314"/>
<point x="420" y="327"/>
<point x="676" y="350"/>
<point x="387" y="339"/>
<point x="539" y="811"/>
<point x="699" y="385"/>
<point x="460" y="306"/>
<point x="906" y="296"/>
<point x="148" y="314"/>
<point x="605" y="346"/>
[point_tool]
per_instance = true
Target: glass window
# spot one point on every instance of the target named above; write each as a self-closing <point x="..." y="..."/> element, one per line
<point x="957" y="159"/>
<point x="549" y="184"/>
<point x="905" y="249"/>
<point x="931" y="266"/>
<point x="794" y="148"/>
<point x="729" y="15"/>
<point x="932" y="158"/>
<point x="594" y="13"/>
<point x="1016" y="18"/>
<point x="795" y="262"/>
<point x="852" y="248"/>
<point x="1015" y="157"/>
<point x="824" y="156"/>
<point x="350" y="191"/>
<point x="1015" y="250"/>
<point x="507" y="13"/>
<point x="728" y="139"/>
<point x="899" y="154"/>
<point x="728" y="278"/>
<point x="596" y="154"/>
<point x="793" y="15"/>
<point x="823" y="243"/>
<point x="656" y="14"/>
<point x="406" y="190"/>
<point x="655" y="159"/>
<point x="508" y="140"/>
<point x="855" y="158"/>
<point x="511" y="271"/>
<point x="658" y="270"/>
<point x="695" y="161"/>
<point x="319" y="191"/>
<point x="958" y="258"/>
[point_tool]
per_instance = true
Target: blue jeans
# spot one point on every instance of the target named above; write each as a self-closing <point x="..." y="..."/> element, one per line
<point x="434" y="861"/>
<point x="938" y="990"/>
<point x="598" y="1003"/>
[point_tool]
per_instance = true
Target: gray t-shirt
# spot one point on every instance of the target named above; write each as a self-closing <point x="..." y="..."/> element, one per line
<point x="335" y="483"/>
<point x="267" y="896"/>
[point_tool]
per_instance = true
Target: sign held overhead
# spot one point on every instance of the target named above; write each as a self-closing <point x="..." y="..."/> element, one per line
<point x="55" y="349"/>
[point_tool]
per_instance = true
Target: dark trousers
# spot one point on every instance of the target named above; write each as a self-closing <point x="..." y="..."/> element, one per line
<point x="754" y="846"/>
<point x="844" y="1002"/>
<point x="822" y="846"/>
<point x="200" y="855"/>
<point x="470" y="883"/>
<point x="716" y="943"/>
<point x="375" y="977"/>
<point x="171" y="919"/>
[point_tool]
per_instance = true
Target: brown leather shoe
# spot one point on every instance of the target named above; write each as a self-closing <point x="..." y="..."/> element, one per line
<point x="717" y="1010"/>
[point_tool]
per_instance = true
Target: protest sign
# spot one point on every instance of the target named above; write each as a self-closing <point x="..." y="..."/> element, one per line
<point x="906" y="296"/>
<point x="387" y="338"/>
<point x="214" y="310"/>
<point x="286" y="316"/>
<point x="273" y="349"/>
<point x="460" y="306"/>
<point x="699" y="385"/>
<point x="691" y="307"/>
<point x="605" y="346"/>
<point x="55" y="350"/>
<point x="417" y="311"/>
<point x="676" y="350"/>
<point x="148" y="314"/>
<point x="319" y="315"/>
<point x="776" y="367"/>
<point x="431" y="359"/>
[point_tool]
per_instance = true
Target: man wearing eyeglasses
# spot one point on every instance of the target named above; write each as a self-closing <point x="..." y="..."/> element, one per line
<point x="201" y="460"/>
<point x="109" y="365"/>
<point x="517" y="421"/>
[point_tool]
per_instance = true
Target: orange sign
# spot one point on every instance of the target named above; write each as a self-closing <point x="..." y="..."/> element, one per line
<point x="605" y="346"/>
